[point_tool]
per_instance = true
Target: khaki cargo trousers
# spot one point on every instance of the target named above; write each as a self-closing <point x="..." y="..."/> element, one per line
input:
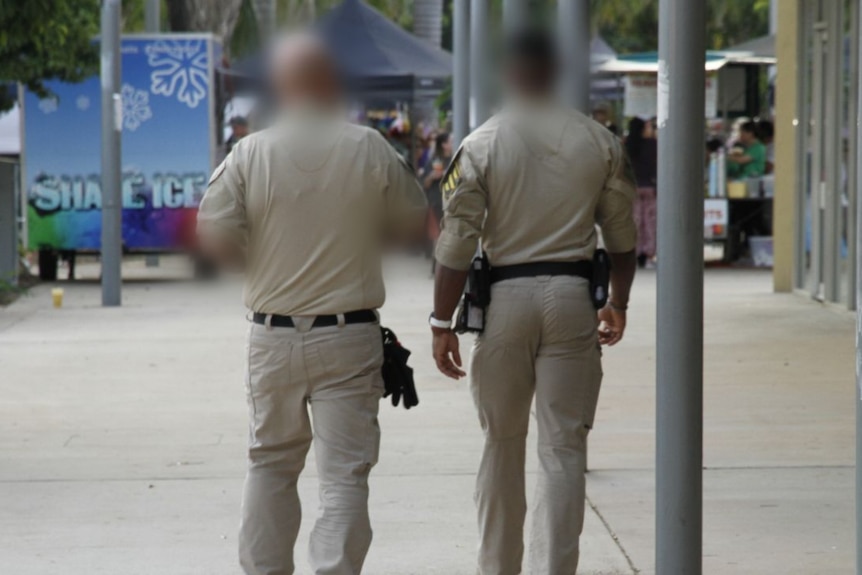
<point x="540" y="340"/>
<point x="335" y="373"/>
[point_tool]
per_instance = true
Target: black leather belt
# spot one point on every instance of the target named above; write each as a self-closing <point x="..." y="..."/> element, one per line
<point x="583" y="269"/>
<point x="360" y="316"/>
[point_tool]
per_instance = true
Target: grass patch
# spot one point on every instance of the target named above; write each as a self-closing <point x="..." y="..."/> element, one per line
<point x="9" y="292"/>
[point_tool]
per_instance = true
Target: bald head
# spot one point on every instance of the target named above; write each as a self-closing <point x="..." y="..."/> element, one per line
<point x="303" y="71"/>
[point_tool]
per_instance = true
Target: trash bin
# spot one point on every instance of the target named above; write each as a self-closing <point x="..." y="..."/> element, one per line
<point x="761" y="251"/>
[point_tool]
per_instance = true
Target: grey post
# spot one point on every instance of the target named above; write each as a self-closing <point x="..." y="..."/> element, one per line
<point x="152" y="20"/>
<point x="515" y="13"/>
<point x="266" y="12"/>
<point x="461" y="78"/>
<point x="859" y="311"/>
<point x="112" y="213"/>
<point x="479" y="100"/>
<point x="573" y="31"/>
<point x="8" y="222"/>
<point x="679" y="341"/>
<point x="152" y="16"/>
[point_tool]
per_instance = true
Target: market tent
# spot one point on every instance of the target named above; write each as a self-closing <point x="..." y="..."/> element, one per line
<point x="380" y="60"/>
<point x="603" y="87"/>
<point x="648" y="61"/>
<point x="378" y="57"/>
<point x="758" y="48"/>
<point x="600" y="52"/>
<point x="10" y="132"/>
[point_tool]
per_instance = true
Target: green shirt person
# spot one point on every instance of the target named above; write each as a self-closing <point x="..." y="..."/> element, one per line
<point x="750" y="162"/>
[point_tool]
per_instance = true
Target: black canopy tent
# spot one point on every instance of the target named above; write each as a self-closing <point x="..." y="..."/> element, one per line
<point x="380" y="60"/>
<point x="381" y="63"/>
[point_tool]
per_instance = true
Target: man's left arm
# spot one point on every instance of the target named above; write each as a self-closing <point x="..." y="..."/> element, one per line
<point x="406" y="205"/>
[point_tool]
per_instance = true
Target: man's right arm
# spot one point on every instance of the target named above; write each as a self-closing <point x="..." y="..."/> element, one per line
<point x="222" y="226"/>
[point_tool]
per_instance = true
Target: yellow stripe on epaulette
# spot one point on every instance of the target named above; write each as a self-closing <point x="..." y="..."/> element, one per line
<point x="452" y="178"/>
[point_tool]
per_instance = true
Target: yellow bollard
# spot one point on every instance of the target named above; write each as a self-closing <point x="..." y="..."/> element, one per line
<point x="57" y="297"/>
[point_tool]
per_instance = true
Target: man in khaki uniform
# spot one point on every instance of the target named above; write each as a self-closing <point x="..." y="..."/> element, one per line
<point x="305" y="208"/>
<point x="532" y="183"/>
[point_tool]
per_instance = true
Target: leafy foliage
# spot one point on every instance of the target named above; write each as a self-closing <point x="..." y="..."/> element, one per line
<point x="632" y="25"/>
<point x="43" y="40"/>
<point x="245" y="38"/>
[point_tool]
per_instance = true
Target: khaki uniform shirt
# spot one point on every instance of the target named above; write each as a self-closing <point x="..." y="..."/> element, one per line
<point x="532" y="183"/>
<point x="312" y="200"/>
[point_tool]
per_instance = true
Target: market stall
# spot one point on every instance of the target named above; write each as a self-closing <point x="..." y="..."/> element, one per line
<point x="735" y="210"/>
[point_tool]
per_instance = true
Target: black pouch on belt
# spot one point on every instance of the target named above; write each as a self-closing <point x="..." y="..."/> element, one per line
<point x="471" y="313"/>
<point x="397" y="375"/>
<point x="601" y="278"/>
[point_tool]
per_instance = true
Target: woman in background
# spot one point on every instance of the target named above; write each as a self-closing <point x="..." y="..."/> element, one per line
<point x="431" y="180"/>
<point x="642" y="149"/>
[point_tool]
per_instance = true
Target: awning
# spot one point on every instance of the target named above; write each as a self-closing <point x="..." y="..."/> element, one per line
<point x="647" y="62"/>
<point x="10" y="132"/>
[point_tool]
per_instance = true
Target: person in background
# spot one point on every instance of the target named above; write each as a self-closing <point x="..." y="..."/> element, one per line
<point x="747" y="159"/>
<point x="642" y="150"/>
<point x="440" y="157"/>
<point x="602" y="114"/>
<point x="766" y="133"/>
<point x="426" y="145"/>
<point x="238" y="131"/>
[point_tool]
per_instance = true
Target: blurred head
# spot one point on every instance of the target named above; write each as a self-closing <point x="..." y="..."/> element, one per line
<point x="748" y="133"/>
<point x="303" y="72"/>
<point x="766" y="131"/>
<point x="443" y="145"/>
<point x="635" y="136"/>
<point x="601" y="113"/>
<point x="649" y="129"/>
<point x="531" y="64"/>
<point x="239" y="126"/>
<point x="637" y="128"/>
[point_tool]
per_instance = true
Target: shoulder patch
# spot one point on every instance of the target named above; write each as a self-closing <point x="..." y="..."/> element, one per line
<point x="452" y="177"/>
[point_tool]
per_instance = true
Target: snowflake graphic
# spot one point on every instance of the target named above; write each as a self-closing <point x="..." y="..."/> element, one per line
<point x="83" y="103"/>
<point x="136" y="107"/>
<point x="48" y="105"/>
<point x="179" y="68"/>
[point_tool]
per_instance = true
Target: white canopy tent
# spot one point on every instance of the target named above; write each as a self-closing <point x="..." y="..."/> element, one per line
<point x="10" y="132"/>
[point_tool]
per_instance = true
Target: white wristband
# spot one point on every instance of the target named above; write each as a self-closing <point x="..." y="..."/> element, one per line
<point x="439" y="323"/>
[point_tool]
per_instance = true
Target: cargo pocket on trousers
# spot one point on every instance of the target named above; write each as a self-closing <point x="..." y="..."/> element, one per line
<point x="593" y="388"/>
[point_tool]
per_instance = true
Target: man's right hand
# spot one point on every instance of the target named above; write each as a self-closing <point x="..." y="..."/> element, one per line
<point x="447" y="354"/>
<point x="612" y="325"/>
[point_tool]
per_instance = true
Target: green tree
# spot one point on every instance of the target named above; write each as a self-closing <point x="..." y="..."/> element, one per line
<point x="44" y="40"/>
<point x="632" y="25"/>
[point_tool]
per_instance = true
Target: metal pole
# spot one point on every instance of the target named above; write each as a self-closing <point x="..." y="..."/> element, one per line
<point x="859" y="305"/>
<point x="461" y="78"/>
<point x="266" y="13"/>
<point x="679" y="358"/>
<point x="152" y="16"/>
<point x="479" y="105"/>
<point x="112" y="124"/>
<point x="152" y="19"/>
<point x="573" y="19"/>
<point x="8" y="224"/>
<point x="853" y="152"/>
<point x="516" y="14"/>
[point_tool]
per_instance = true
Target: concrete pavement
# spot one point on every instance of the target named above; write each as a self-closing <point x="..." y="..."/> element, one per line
<point x="122" y="436"/>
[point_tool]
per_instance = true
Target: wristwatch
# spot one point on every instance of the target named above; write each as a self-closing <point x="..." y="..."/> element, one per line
<point x="439" y="323"/>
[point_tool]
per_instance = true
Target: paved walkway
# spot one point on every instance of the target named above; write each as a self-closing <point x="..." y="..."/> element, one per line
<point x="122" y="434"/>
